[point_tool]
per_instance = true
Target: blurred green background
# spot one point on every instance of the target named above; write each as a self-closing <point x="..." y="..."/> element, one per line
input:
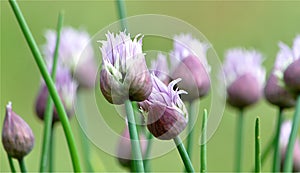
<point x="258" y="25"/>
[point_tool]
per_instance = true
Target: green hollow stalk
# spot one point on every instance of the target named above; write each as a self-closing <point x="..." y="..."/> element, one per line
<point x="122" y="13"/>
<point x="203" y="159"/>
<point x="257" y="147"/>
<point x="51" y="150"/>
<point x="147" y="154"/>
<point x="288" y="164"/>
<point x="48" y="120"/>
<point x="22" y="165"/>
<point x="239" y="141"/>
<point x="184" y="155"/>
<point x="11" y="163"/>
<point x="192" y="118"/>
<point x="134" y="139"/>
<point x="266" y="152"/>
<point x="276" y="158"/>
<point x="50" y="84"/>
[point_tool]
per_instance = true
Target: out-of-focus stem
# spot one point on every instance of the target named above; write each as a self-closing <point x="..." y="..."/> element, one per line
<point x="239" y="142"/>
<point x="203" y="141"/>
<point x="257" y="147"/>
<point x="184" y="155"/>
<point x="276" y="158"/>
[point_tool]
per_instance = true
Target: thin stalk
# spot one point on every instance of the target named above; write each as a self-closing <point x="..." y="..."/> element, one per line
<point x="147" y="154"/>
<point x="22" y="165"/>
<point x="184" y="155"/>
<point x="257" y="147"/>
<point x="203" y="165"/>
<point x="288" y="164"/>
<point x="266" y="152"/>
<point x="51" y="149"/>
<point x="50" y="84"/>
<point x="49" y="107"/>
<point x="122" y="13"/>
<point x="11" y="163"/>
<point x="239" y="142"/>
<point x="276" y="158"/>
<point x="190" y="137"/>
<point x="135" y="143"/>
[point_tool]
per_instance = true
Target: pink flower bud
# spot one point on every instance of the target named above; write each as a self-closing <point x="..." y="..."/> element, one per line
<point x="292" y="76"/>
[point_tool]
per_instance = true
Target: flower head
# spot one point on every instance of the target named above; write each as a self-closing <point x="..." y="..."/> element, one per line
<point x="124" y="73"/>
<point x="167" y="116"/>
<point x="160" y="69"/>
<point x="192" y="67"/>
<point x="75" y="54"/>
<point x="17" y="136"/>
<point x="66" y="88"/>
<point x="244" y="75"/>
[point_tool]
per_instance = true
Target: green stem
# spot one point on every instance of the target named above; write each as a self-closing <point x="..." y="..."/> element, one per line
<point x="51" y="149"/>
<point x="184" y="155"/>
<point x="266" y="152"/>
<point x="22" y="165"/>
<point x="50" y="84"/>
<point x="288" y="165"/>
<point x="11" y="164"/>
<point x="122" y="13"/>
<point x="276" y="158"/>
<point x="135" y="143"/>
<point x="147" y="154"/>
<point x="203" y="146"/>
<point x="190" y="137"/>
<point x="49" y="107"/>
<point x="257" y="147"/>
<point x="239" y="142"/>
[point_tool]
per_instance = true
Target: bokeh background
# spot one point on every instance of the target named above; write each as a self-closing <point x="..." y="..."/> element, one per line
<point x="259" y="24"/>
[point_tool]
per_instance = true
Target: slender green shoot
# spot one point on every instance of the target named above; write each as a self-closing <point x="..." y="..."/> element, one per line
<point x="11" y="163"/>
<point x="257" y="147"/>
<point x="276" y="158"/>
<point x="288" y="164"/>
<point x="192" y="118"/>
<point x="49" y="107"/>
<point x="203" y="165"/>
<point x="51" y="150"/>
<point x="50" y="84"/>
<point x="239" y="142"/>
<point x="184" y="155"/>
<point x="266" y="152"/>
<point x="122" y="13"/>
<point x="22" y="165"/>
<point x="135" y="143"/>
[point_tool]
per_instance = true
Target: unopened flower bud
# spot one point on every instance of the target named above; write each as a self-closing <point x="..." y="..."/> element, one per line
<point x="159" y="67"/>
<point x="292" y="76"/>
<point x="17" y="136"/>
<point x="124" y="148"/>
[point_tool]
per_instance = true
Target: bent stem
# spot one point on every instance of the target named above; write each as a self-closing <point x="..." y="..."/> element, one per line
<point x="190" y="137"/>
<point x="288" y="164"/>
<point x="257" y="147"/>
<point x="276" y="159"/>
<point x="50" y="84"/>
<point x="22" y="165"/>
<point x="11" y="163"/>
<point x="48" y="120"/>
<point x="184" y="155"/>
<point x="135" y="143"/>
<point x="203" y="141"/>
<point x="239" y="142"/>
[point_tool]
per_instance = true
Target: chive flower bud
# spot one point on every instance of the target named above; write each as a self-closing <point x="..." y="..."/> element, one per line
<point x="159" y="67"/>
<point x="17" y="136"/>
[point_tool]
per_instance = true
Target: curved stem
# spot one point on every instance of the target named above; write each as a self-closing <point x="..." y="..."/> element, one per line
<point x="288" y="165"/>
<point x="239" y="141"/>
<point x="11" y="164"/>
<point x="135" y="143"/>
<point x="49" y="107"/>
<point x="22" y="165"/>
<point x="184" y="155"/>
<point x="190" y="137"/>
<point x="50" y="84"/>
<point x="276" y="158"/>
<point x="203" y="146"/>
<point x="257" y="147"/>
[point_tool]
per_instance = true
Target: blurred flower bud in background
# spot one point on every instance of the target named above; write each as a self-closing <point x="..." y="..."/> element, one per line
<point x="190" y="64"/>
<point x="124" y="73"/>
<point x="167" y="116"/>
<point x="159" y="67"/>
<point x="17" y="136"/>
<point x="244" y="76"/>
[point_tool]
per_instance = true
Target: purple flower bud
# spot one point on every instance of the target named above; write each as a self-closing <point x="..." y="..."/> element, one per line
<point x="244" y="77"/>
<point x="124" y="73"/>
<point x="66" y="88"/>
<point x="167" y="116"/>
<point x="159" y="68"/>
<point x="292" y="76"/>
<point x="17" y="136"/>
<point x="124" y="148"/>
<point x="75" y="53"/>
<point x="192" y="67"/>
